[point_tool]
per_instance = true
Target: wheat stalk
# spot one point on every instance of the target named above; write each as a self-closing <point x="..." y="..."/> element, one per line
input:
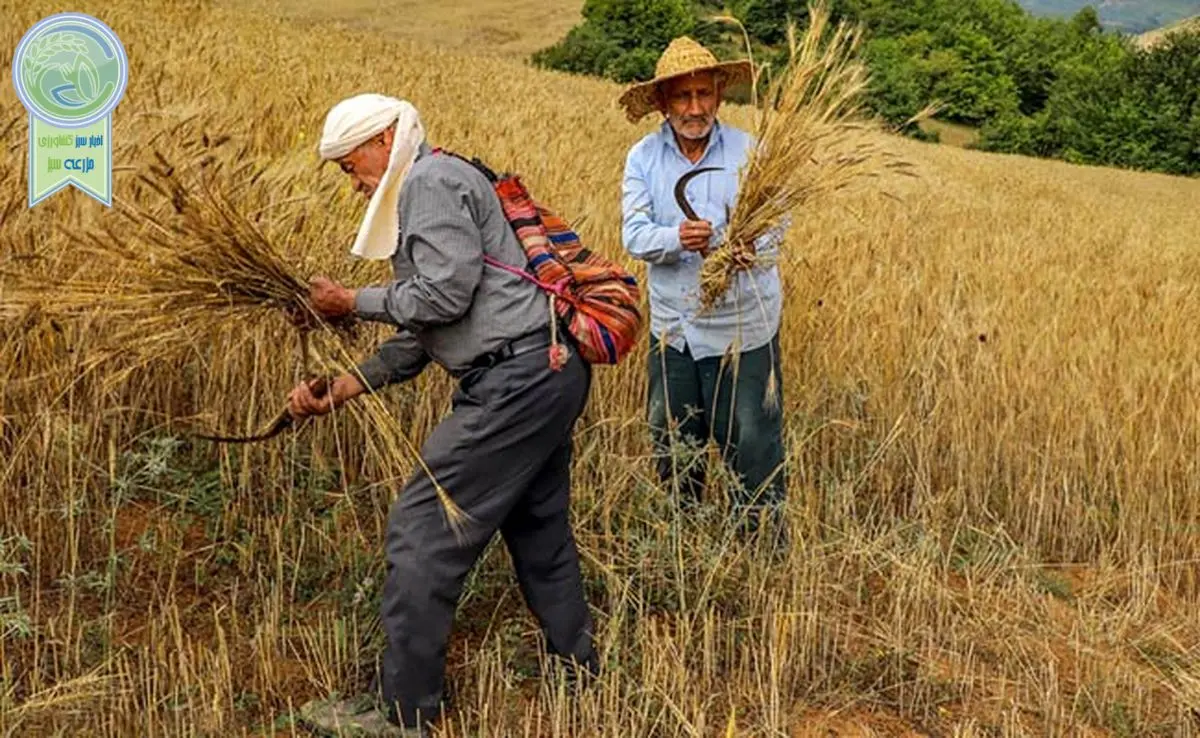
<point x="165" y="279"/>
<point x="812" y="141"/>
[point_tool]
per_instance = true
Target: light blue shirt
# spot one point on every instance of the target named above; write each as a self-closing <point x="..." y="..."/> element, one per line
<point x="749" y="314"/>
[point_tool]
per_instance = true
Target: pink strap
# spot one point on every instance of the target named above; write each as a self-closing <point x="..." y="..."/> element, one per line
<point x="558" y="288"/>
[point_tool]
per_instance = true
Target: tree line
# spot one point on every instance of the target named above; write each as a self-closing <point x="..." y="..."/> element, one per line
<point x="1049" y="87"/>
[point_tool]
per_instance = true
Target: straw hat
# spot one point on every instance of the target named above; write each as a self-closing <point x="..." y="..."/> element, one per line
<point x="683" y="56"/>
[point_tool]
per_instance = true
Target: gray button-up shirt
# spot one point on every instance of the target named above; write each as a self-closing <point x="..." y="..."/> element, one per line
<point x="447" y="304"/>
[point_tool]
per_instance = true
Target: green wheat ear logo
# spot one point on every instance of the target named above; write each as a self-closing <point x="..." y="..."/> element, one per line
<point x="62" y="76"/>
<point x="70" y="71"/>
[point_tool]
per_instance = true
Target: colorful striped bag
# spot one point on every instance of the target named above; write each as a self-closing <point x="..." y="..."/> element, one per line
<point x="593" y="297"/>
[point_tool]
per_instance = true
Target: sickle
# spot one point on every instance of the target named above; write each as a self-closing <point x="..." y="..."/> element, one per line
<point x="282" y="421"/>
<point x="681" y="198"/>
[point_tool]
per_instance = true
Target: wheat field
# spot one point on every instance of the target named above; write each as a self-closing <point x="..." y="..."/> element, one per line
<point x="990" y="377"/>
<point x="511" y="29"/>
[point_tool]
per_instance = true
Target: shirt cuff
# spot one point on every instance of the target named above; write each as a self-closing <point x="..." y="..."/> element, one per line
<point x="375" y="373"/>
<point x="370" y="303"/>
<point x="672" y="248"/>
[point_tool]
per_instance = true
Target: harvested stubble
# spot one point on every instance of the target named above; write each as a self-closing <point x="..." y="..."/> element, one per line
<point x="813" y="139"/>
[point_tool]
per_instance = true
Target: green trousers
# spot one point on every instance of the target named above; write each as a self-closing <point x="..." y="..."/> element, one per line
<point x="693" y="401"/>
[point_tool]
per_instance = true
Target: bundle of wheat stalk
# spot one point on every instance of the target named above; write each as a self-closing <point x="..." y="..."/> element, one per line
<point x="208" y="262"/>
<point x="812" y="139"/>
<point x="192" y="270"/>
<point x="171" y="273"/>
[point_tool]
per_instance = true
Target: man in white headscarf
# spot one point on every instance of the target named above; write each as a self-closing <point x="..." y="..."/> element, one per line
<point x="504" y="453"/>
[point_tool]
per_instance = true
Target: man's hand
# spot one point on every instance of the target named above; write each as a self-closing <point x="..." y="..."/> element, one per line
<point x="302" y="402"/>
<point x="694" y="235"/>
<point x="329" y="298"/>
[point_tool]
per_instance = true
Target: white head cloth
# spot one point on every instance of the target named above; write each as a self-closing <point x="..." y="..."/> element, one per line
<point x="353" y="122"/>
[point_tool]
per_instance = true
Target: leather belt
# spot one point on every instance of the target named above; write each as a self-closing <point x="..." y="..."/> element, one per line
<point x="539" y="339"/>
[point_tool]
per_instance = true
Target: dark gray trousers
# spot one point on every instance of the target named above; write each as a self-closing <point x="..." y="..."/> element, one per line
<point x="709" y="398"/>
<point x="504" y="457"/>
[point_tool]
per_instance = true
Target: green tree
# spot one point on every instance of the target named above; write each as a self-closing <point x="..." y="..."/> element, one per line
<point x="1086" y="22"/>
<point x="899" y="85"/>
<point x="1164" y="84"/>
<point x="766" y="20"/>
<point x="586" y="49"/>
<point x="619" y="39"/>
<point x="1048" y="87"/>
<point x="640" y="23"/>
<point x="1115" y="106"/>
<point x="971" y="78"/>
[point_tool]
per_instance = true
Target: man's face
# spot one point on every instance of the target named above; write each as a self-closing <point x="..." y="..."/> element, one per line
<point x="690" y="104"/>
<point x="367" y="164"/>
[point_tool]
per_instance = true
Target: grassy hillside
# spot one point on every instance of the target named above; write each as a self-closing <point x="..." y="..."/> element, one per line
<point x="989" y="385"/>
<point x="1130" y="16"/>
<point x="1152" y="38"/>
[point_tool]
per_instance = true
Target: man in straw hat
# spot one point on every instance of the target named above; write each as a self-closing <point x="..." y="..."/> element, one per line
<point x="712" y="374"/>
<point x="504" y="453"/>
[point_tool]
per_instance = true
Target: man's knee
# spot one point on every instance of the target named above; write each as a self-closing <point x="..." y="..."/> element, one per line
<point x="427" y="561"/>
<point x="761" y="437"/>
<point x="758" y="449"/>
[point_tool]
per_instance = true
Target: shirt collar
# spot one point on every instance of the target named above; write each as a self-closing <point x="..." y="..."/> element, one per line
<point x="715" y="138"/>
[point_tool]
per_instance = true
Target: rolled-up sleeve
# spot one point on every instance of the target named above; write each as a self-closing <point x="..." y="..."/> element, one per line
<point x="397" y="359"/>
<point x="446" y="249"/>
<point x="644" y="238"/>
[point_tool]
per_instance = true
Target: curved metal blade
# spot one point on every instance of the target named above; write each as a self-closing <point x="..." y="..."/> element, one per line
<point x="277" y="426"/>
<point x="281" y="422"/>
<point x="681" y="185"/>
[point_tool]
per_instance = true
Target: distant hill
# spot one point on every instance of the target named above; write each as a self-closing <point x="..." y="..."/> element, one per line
<point x="1130" y="16"/>
<point x="1150" y="38"/>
